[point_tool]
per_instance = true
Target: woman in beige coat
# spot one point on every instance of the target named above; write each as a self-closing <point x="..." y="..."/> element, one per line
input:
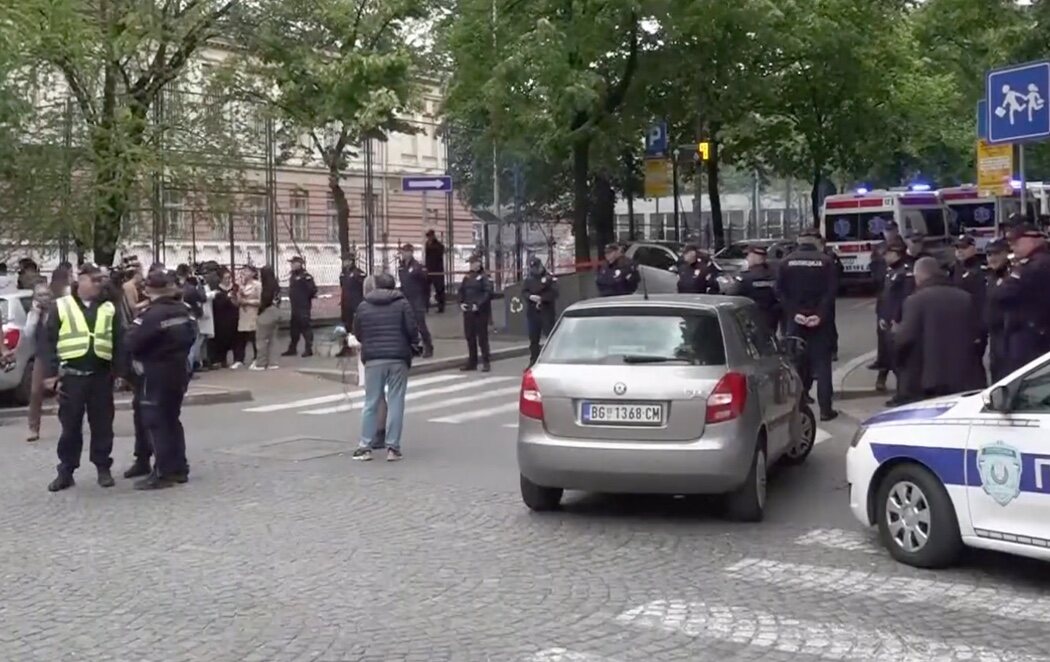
<point x="249" y="297"/>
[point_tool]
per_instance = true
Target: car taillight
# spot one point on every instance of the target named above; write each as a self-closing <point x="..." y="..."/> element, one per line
<point x="727" y="400"/>
<point x="530" y="404"/>
<point x="11" y="338"/>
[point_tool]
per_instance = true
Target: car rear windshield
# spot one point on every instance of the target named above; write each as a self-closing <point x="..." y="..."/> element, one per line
<point x="855" y="227"/>
<point x="734" y="252"/>
<point x="975" y="216"/>
<point x="626" y="335"/>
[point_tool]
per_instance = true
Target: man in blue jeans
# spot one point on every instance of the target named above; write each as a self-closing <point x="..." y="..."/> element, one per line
<point x="385" y="325"/>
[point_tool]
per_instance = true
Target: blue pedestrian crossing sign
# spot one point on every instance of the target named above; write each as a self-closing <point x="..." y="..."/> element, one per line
<point x="656" y="139"/>
<point x="1018" y="110"/>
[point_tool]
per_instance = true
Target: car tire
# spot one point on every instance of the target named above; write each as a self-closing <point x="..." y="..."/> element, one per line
<point x="803" y="436"/>
<point x="748" y="502"/>
<point x="911" y="491"/>
<point x="23" y="392"/>
<point x="540" y="499"/>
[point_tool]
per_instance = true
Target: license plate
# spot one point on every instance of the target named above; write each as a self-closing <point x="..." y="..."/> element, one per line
<point x="621" y="413"/>
<point x="854" y="267"/>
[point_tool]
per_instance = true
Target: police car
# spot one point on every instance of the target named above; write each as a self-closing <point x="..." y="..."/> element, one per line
<point x="971" y="469"/>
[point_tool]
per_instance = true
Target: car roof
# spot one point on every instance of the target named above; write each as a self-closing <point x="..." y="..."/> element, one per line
<point x="711" y="302"/>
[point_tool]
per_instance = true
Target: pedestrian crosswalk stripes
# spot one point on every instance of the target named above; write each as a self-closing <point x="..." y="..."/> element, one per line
<point x="475" y="415"/>
<point x="467" y="399"/>
<point x="340" y="397"/>
<point x="416" y="395"/>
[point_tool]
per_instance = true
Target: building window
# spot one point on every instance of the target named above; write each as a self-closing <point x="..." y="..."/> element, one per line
<point x="256" y="213"/>
<point x="220" y="225"/>
<point x="299" y="216"/>
<point x="174" y="215"/>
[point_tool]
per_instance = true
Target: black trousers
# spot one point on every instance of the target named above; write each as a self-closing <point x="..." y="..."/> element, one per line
<point x="301" y="326"/>
<point x="815" y="364"/>
<point x="240" y="346"/>
<point x="161" y="392"/>
<point x="143" y="448"/>
<point x="437" y="285"/>
<point x="540" y="323"/>
<point x="476" y="331"/>
<point x="420" y="309"/>
<point x="80" y="395"/>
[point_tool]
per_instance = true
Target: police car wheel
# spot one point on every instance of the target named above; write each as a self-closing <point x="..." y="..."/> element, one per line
<point x="540" y="499"/>
<point x="916" y="518"/>
<point x="803" y="435"/>
<point x="748" y="502"/>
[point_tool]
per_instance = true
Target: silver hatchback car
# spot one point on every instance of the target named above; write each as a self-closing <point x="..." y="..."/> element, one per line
<point x="667" y="394"/>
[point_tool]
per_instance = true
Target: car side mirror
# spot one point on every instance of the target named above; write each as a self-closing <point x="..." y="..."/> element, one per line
<point x="792" y="346"/>
<point x="673" y="268"/>
<point x="999" y="399"/>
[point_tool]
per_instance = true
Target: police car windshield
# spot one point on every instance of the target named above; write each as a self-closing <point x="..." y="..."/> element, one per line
<point x="855" y="227"/>
<point x="622" y="335"/>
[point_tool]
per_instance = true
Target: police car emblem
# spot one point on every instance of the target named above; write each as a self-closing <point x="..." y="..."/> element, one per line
<point x="999" y="466"/>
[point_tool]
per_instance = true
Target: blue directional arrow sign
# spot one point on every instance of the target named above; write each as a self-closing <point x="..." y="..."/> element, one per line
<point x="1018" y="103"/>
<point x="982" y="120"/>
<point x="423" y="183"/>
<point x="656" y="139"/>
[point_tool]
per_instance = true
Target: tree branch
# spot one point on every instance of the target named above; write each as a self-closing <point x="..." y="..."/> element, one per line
<point x="84" y="100"/>
<point x="351" y="43"/>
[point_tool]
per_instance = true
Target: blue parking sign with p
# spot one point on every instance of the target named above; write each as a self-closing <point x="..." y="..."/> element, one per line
<point x="1017" y="103"/>
<point x="656" y="139"/>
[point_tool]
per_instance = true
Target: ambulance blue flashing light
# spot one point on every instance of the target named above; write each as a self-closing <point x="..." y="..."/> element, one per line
<point x="862" y="191"/>
<point x="920" y="187"/>
<point x="1015" y="184"/>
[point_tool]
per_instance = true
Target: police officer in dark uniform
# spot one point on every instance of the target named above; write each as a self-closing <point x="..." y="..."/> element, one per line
<point x="995" y="318"/>
<point x="758" y="283"/>
<point x="159" y="341"/>
<point x="806" y="285"/>
<point x="301" y="292"/>
<point x="617" y="274"/>
<point x="475" y="300"/>
<point x="839" y="270"/>
<point x="351" y="294"/>
<point x="416" y="287"/>
<point x="696" y="274"/>
<point x="1025" y="297"/>
<point x="897" y="285"/>
<point x="434" y="259"/>
<point x="540" y="292"/>
<point x="81" y="345"/>
<point x="968" y="274"/>
<point x="916" y="242"/>
<point x="879" y="269"/>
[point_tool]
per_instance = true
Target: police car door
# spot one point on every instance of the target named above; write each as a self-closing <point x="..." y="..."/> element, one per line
<point x="1008" y="465"/>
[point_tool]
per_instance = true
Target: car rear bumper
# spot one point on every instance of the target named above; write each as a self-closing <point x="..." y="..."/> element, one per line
<point x="716" y="463"/>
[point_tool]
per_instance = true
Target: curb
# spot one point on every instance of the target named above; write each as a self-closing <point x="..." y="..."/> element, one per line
<point x="222" y="397"/>
<point x="425" y="367"/>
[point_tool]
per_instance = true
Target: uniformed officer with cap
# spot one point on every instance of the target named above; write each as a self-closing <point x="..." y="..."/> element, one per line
<point x="879" y="268"/>
<point x="696" y="275"/>
<point x="475" y="300"/>
<point x="758" y="283"/>
<point x="82" y="341"/>
<point x="806" y="285"/>
<point x="968" y="274"/>
<point x="995" y="317"/>
<point x="916" y="242"/>
<point x="897" y="285"/>
<point x="617" y="274"/>
<point x="415" y="285"/>
<point x="540" y="292"/>
<point x="301" y="292"/>
<point x="1025" y="297"/>
<point x="159" y="342"/>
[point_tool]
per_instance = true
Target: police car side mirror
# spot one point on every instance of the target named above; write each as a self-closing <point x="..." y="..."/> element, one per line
<point x="673" y="268"/>
<point x="999" y="399"/>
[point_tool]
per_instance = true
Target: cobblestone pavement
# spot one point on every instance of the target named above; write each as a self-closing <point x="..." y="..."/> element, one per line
<point x="282" y="549"/>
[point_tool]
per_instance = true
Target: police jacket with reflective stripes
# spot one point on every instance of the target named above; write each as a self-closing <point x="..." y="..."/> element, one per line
<point x="90" y="362"/>
<point x="162" y="334"/>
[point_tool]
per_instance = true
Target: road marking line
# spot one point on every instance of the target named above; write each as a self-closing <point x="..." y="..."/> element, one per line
<point x="339" y="397"/>
<point x="849" y="541"/>
<point x="566" y="655"/>
<point x="821" y="436"/>
<point x="771" y="631"/>
<point x="956" y="596"/>
<point x="465" y="399"/>
<point x="413" y="395"/>
<point x="475" y="415"/>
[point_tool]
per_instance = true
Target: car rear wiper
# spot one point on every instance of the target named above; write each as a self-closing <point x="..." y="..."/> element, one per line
<point x="644" y="358"/>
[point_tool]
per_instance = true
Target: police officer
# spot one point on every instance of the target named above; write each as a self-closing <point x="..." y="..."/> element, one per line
<point x="879" y="268"/>
<point x="898" y="283"/>
<point x="839" y="270"/>
<point x="916" y="242"/>
<point x="1025" y="297"/>
<point x="83" y="338"/>
<point x="995" y="318"/>
<point x="540" y="291"/>
<point x="475" y="300"/>
<point x="758" y="283"/>
<point x="351" y="294"/>
<point x="806" y="286"/>
<point x="416" y="287"/>
<point x="159" y="342"/>
<point x="434" y="260"/>
<point x="969" y="275"/>
<point x="301" y="292"/>
<point x="617" y="274"/>
<point x="696" y="274"/>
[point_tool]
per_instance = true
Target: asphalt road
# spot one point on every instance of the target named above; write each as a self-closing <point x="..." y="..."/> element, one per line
<point x="282" y="549"/>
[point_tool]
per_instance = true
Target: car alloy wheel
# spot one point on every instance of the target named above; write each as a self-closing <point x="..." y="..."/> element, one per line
<point x="908" y="516"/>
<point x="807" y="435"/>
<point x="916" y="517"/>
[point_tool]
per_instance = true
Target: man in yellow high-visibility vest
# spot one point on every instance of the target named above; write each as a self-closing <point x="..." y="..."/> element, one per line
<point x="82" y="341"/>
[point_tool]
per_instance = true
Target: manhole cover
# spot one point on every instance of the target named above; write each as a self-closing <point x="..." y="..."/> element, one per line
<point x="293" y="449"/>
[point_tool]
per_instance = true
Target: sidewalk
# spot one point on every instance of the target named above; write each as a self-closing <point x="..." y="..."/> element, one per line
<point x="198" y="394"/>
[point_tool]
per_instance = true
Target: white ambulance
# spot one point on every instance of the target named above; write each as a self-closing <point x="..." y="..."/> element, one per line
<point x="982" y="215"/>
<point x="852" y="224"/>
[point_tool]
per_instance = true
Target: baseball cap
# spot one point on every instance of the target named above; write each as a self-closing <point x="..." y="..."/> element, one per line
<point x="612" y="246"/>
<point x="535" y="262"/>
<point x="161" y="279"/>
<point x="1024" y="229"/>
<point x="965" y="241"/>
<point x="407" y="247"/>
<point x="89" y="269"/>
<point x="890" y="225"/>
<point x="997" y="246"/>
<point x="430" y="233"/>
<point x="296" y="258"/>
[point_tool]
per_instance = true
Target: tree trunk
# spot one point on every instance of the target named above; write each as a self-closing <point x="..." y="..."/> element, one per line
<point x="342" y="209"/>
<point x="814" y="194"/>
<point x="581" y="151"/>
<point x="717" y="228"/>
<point x="604" y="212"/>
